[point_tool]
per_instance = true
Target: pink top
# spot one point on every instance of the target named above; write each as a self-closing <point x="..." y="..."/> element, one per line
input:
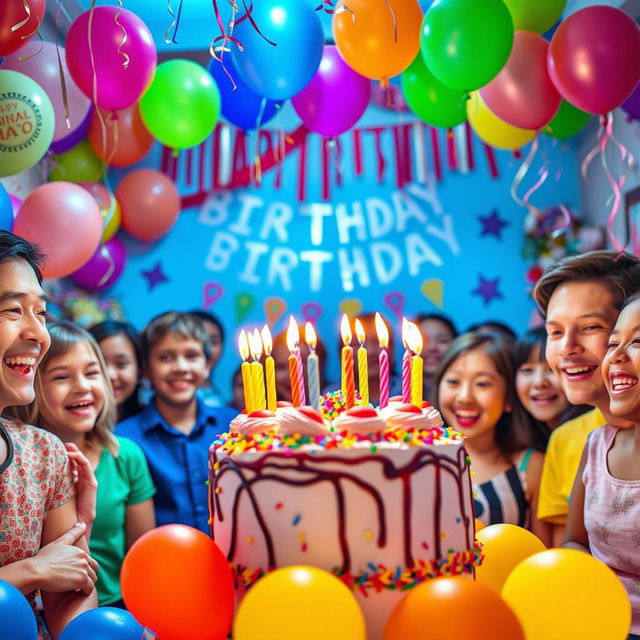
<point x="612" y="517"/>
<point x="34" y="478"/>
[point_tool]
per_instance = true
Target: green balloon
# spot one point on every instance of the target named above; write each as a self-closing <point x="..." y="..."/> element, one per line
<point x="535" y="15"/>
<point x="182" y="105"/>
<point x="429" y="99"/>
<point x="567" y="121"/>
<point x="79" y="164"/>
<point x="465" y="43"/>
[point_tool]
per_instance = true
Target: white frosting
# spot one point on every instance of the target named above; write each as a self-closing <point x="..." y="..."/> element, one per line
<point x="293" y="421"/>
<point x="359" y="424"/>
<point x="254" y="425"/>
<point x="237" y="423"/>
<point x="428" y="418"/>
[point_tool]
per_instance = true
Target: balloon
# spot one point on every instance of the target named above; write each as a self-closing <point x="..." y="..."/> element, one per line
<point x="79" y="164"/>
<point x="240" y="106"/>
<point x="127" y="140"/>
<point x="40" y="63"/>
<point x="504" y="546"/>
<point x="631" y="106"/>
<point x="465" y="43"/>
<point x="13" y="14"/>
<point x="594" y="58"/>
<point x="568" y="594"/>
<point x="369" y="44"/>
<point x="6" y="210"/>
<point x="491" y="129"/>
<point x="65" y="221"/>
<point x="182" y="105"/>
<point x="567" y="121"/>
<point x="535" y="15"/>
<point x="18" y="619"/>
<point x="279" y="72"/>
<point x="429" y="99"/>
<point x="109" y="208"/>
<point x="335" y="99"/>
<point x="451" y="609"/>
<point x="103" y="268"/>
<point x="105" y="623"/>
<point x="74" y="137"/>
<point x="26" y="124"/>
<point x="177" y="582"/>
<point x="318" y="606"/>
<point x="522" y="94"/>
<point x="16" y="203"/>
<point x="118" y="52"/>
<point x="150" y="204"/>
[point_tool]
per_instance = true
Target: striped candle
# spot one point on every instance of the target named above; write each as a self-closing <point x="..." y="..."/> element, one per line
<point x="303" y="398"/>
<point x="313" y="367"/>
<point x="293" y="377"/>
<point x="384" y="378"/>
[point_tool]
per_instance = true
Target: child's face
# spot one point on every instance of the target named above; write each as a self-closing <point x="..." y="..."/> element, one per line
<point x="177" y="368"/>
<point x="122" y="366"/>
<point x="472" y="394"/>
<point x="437" y="339"/>
<point x="74" y="392"/>
<point x="621" y="365"/>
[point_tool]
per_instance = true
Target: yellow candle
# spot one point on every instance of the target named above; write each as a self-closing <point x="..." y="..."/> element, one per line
<point x="257" y="373"/>
<point x="363" y="367"/>
<point x="346" y="362"/>
<point x="269" y="368"/>
<point x="245" y="369"/>
<point x="415" y="344"/>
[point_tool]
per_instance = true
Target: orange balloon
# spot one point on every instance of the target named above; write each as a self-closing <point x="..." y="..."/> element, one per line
<point x="127" y="139"/>
<point x="178" y="583"/>
<point x="365" y="35"/>
<point x="451" y="609"/>
<point x="479" y="525"/>
<point x="150" y="204"/>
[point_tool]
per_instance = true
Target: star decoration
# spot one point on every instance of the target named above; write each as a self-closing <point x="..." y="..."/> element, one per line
<point x="154" y="276"/>
<point x="487" y="289"/>
<point x="492" y="225"/>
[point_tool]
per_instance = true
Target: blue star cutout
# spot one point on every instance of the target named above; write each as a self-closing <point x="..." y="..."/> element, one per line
<point x="154" y="276"/>
<point x="487" y="289"/>
<point x="492" y="224"/>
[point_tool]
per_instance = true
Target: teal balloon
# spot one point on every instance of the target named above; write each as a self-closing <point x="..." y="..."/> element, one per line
<point x="182" y="105"/>
<point x="465" y="43"/>
<point x="429" y="99"/>
<point x="535" y="15"/>
<point x="568" y="121"/>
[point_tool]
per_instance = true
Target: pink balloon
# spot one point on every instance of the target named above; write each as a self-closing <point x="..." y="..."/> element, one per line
<point x="64" y="219"/>
<point x="336" y="97"/>
<point x="41" y="64"/>
<point x="119" y="85"/>
<point x="594" y="58"/>
<point x="103" y="268"/>
<point x="522" y="94"/>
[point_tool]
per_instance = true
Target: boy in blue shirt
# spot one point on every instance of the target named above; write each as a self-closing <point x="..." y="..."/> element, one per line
<point x="176" y="428"/>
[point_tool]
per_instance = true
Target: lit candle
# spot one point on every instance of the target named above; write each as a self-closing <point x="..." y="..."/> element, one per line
<point x="245" y="368"/>
<point x="313" y="370"/>
<point x="383" y="339"/>
<point x="415" y="345"/>
<point x="270" y="370"/>
<point x="293" y="336"/>
<point x="349" y="384"/>
<point x="257" y="372"/>
<point x="406" y="363"/>
<point x="363" y="369"/>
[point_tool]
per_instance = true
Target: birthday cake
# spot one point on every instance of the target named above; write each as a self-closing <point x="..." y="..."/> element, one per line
<point x="380" y="498"/>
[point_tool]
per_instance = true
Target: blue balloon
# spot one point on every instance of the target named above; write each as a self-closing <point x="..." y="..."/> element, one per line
<point x="6" y="210"/>
<point x="279" y="72"/>
<point x="18" y="619"/>
<point x="240" y="106"/>
<point x="105" y="623"/>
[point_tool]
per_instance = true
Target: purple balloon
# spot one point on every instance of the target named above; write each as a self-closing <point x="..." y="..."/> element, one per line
<point x="15" y="204"/>
<point x="103" y="268"/>
<point x="74" y="137"/>
<point x="335" y="99"/>
<point x="631" y="105"/>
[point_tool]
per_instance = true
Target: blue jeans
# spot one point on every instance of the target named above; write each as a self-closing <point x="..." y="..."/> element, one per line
<point x="632" y="636"/>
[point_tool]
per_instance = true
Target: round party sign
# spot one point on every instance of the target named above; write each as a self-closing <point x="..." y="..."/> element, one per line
<point x="27" y="122"/>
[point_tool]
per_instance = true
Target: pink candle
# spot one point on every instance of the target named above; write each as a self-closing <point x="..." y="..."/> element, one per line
<point x="406" y="364"/>
<point x="303" y="397"/>
<point x="383" y="339"/>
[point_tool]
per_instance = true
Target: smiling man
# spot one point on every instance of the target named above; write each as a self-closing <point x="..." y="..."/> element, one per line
<point x="580" y="297"/>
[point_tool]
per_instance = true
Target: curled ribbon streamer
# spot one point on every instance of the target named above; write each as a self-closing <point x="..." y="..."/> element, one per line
<point x="520" y="175"/>
<point x="564" y="224"/>
<point x="584" y="168"/>
<point x="167" y="39"/>
<point x="224" y="37"/>
<point x="341" y="7"/>
<point x="125" y="36"/>
<point x="395" y="21"/>
<point x="63" y="82"/>
<point x="27" y="8"/>
<point x="247" y="16"/>
<point x="112" y="266"/>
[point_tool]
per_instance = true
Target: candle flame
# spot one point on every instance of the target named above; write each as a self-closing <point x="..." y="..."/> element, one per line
<point x="414" y="339"/>
<point x="310" y="335"/>
<point x="293" y="334"/>
<point x="255" y="345"/>
<point x="360" y="332"/>
<point x="266" y="340"/>
<point x="243" y="345"/>
<point x="382" y="331"/>
<point x="345" y="330"/>
<point x="405" y="333"/>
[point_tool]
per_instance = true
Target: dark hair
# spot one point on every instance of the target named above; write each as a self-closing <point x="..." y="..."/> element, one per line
<point x="207" y="316"/>
<point x="12" y="247"/>
<point x="107" y="329"/>
<point x="494" y="326"/>
<point x="514" y="432"/>
<point x="446" y="321"/>
<point x="620" y="272"/>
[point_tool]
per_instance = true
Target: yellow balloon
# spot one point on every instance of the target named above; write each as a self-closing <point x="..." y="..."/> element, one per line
<point x="504" y="546"/>
<point x="111" y="219"/>
<point x="492" y="129"/>
<point x="568" y="594"/>
<point x="296" y="603"/>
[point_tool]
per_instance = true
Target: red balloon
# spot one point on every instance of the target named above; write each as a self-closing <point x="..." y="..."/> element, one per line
<point x="594" y="58"/>
<point x="522" y="94"/>
<point x="13" y="12"/>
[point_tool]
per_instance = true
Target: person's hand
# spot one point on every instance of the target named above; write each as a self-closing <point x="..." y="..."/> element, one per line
<point x="64" y="567"/>
<point x="86" y="484"/>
